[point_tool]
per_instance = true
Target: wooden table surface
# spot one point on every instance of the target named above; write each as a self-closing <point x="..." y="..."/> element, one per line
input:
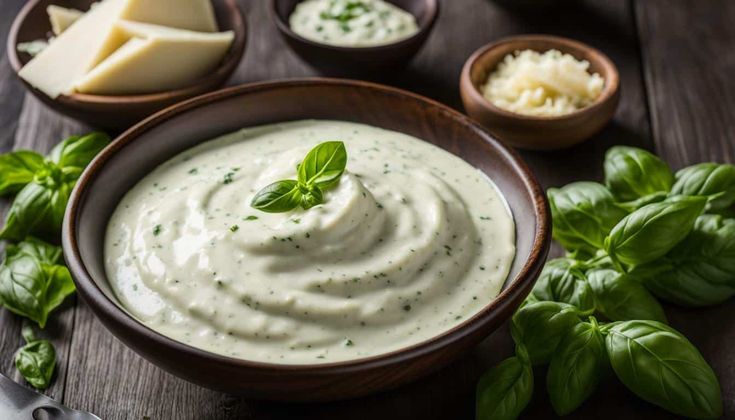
<point x="677" y="64"/>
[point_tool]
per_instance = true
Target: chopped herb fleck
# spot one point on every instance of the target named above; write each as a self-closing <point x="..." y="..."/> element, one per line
<point x="234" y="228"/>
<point x="229" y="177"/>
<point x="157" y="230"/>
<point x="249" y="218"/>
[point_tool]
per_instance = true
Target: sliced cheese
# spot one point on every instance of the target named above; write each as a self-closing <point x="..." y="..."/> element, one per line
<point x="92" y="38"/>
<point x="155" y="58"/>
<point x="62" y="18"/>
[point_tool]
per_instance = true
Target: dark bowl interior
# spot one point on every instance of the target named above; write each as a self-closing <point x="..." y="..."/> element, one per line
<point x="121" y="111"/>
<point x="142" y="148"/>
<point x="354" y="61"/>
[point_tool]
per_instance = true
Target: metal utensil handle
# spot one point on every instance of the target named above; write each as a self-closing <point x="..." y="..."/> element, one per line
<point x="18" y="402"/>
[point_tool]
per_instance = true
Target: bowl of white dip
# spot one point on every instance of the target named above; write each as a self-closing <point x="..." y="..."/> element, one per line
<point x="367" y="38"/>
<point x="430" y="239"/>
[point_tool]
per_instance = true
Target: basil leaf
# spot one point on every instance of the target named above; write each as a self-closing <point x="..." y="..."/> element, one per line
<point x="712" y="180"/>
<point x="631" y="206"/>
<point x="583" y="213"/>
<point x="539" y="327"/>
<point x="38" y="209"/>
<point x="17" y="170"/>
<point x="563" y="281"/>
<point x="632" y="173"/>
<point x="278" y="197"/>
<point x="620" y="297"/>
<point x="31" y="286"/>
<point x="662" y="367"/>
<point x="700" y="271"/>
<point x="505" y="390"/>
<point x="323" y="165"/>
<point x="36" y="360"/>
<point x="312" y="197"/>
<point x="44" y="252"/>
<point x="653" y="230"/>
<point x="78" y="151"/>
<point x="576" y="367"/>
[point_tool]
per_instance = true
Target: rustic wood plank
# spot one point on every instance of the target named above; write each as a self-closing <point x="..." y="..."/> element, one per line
<point x="109" y="379"/>
<point x="686" y="48"/>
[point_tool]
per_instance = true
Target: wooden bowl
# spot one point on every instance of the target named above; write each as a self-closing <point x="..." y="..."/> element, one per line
<point x="120" y="112"/>
<point x="139" y="150"/>
<point x="357" y="61"/>
<point x="532" y="132"/>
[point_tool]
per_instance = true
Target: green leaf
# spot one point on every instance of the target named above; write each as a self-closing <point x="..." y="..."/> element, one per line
<point x="700" y="271"/>
<point x="278" y="197"/>
<point x="576" y="367"/>
<point x="711" y="180"/>
<point x="323" y="165"/>
<point x="620" y="298"/>
<point x="36" y="360"/>
<point x="78" y="151"/>
<point x="30" y="286"/>
<point x="583" y="213"/>
<point x="311" y="197"/>
<point x="37" y="210"/>
<point x="17" y="170"/>
<point x="631" y="206"/>
<point x="562" y="280"/>
<point x="662" y="367"/>
<point x="540" y="326"/>
<point x="632" y="173"/>
<point x="504" y="391"/>
<point x="653" y="230"/>
<point x="44" y="252"/>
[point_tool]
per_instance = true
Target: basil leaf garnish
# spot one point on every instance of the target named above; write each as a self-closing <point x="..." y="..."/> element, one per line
<point x="17" y="170"/>
<point x="700" y="271"/>
<point x="563" y="281"/>
<point x="78" y="151"/>
<point x="505" y="390"/>
<point x="583" y="213"/>
<point x="661" y="366"/>
<point x="620" y="297"/>
<point x="278" y="197"/>
<point x="32" y="281"/>
<point x="653" y="230"/>
<point x="541" y="326"/>
<point x="711" y="180"/>
<point x="632" y="173"/>
<point x="576" y="367"/>
<point x="321" y="169"/>
<point x="323" y="165"/>
<point x="36" y="360"/>
<point x="38" y="209"/>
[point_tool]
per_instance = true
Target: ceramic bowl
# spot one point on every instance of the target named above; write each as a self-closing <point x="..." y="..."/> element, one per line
<point x="142" y="148"/>
<point x="120" y="112"/>
<point x="532" y="132"/>
<point x="371" y="62"/>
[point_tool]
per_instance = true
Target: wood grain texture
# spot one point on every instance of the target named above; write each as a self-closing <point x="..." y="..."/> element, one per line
<point x="691" y="97"/>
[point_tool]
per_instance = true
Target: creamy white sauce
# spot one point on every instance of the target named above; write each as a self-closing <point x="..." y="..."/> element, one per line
<point x="410" y="243"/>
<point x="352" y="23"/>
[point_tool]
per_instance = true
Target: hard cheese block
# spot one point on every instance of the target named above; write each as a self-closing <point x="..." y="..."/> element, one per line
<point x="92" y="38"/>
<point x="155" y="58"/>
<point x="62" y="18"/>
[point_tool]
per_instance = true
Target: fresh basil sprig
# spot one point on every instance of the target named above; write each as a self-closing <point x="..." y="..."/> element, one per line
<point x="36" y="360"/>
<point x="320" y="170"/>
<point x="44" y="185"/>
<point x="711" y="180"/>
<point x="32" y="280"/>
<point x="661" y="366"/>
<point x="576" y="367"/>
<point x="563" y="280"/>
<point x="632" y="173"/>
<point x="541" y="326"/>
<point x="505" y="390"/>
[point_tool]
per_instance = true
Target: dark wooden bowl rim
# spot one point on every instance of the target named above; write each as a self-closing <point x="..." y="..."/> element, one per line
<point x="230" y="61"/>
<point x="433" y="10"/>
<point x="612" y="78"/>
<point x="93" y="294"/>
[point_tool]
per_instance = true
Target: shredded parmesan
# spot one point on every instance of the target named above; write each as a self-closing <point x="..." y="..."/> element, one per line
<point x="542" y="84"/>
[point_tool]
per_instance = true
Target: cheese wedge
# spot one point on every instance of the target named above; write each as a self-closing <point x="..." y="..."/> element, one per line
<point x="91" y="39"/>
<point x="62" y="18"/>
<point x="155" y="58"/>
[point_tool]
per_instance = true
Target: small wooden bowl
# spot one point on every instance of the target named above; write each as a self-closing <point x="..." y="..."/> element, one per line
<point x="142" y="148"/>
<point x="357" y="61"/>
<point x="532" y="132"/>
<point x="120" y="112"/>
